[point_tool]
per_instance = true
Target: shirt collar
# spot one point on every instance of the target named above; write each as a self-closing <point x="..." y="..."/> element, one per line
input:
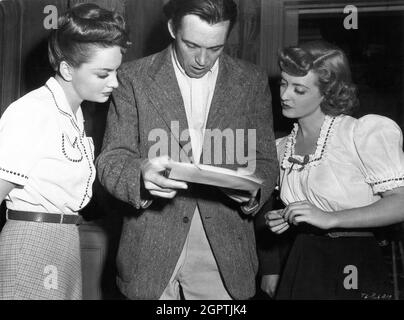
<point x="178" y="66"/>
<point x="61" y="101"/>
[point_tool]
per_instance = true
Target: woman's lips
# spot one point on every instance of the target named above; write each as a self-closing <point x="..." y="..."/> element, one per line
<point x="286" y="106"/>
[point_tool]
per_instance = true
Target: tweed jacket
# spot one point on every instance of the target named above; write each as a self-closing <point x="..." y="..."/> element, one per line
<point x="148" y="101"/>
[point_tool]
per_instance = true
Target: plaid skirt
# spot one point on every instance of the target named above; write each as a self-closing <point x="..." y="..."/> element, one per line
<point x="40" y="261"/>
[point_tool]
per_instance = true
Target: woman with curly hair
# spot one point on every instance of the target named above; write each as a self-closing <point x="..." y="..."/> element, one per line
<point x="340" y="177"/>
<point x="46" y="159"/>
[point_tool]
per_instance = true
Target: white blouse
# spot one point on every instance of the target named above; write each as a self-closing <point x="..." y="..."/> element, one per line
<point x="45" y="151"/>
<point x="355" y="160"/>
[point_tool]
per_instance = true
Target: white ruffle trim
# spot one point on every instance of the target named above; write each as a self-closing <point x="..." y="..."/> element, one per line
<point x="326" y="132"/>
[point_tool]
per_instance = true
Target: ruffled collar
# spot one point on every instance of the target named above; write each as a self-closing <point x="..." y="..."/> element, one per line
<point x="297" y="162"/>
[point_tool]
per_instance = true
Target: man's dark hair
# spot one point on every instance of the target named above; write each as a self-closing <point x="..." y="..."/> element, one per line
<point x="211" y="11"/>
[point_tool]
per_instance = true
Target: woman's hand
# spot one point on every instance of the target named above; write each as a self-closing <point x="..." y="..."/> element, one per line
<point x="275" y="221"/>
<point x="303" y="211"/>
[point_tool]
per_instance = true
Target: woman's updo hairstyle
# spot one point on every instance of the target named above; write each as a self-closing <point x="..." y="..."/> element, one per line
<point x="331" y="66"/>
<point x="83" y="28"/>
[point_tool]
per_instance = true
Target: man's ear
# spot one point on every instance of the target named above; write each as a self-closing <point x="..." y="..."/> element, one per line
<point x="171" y="28"/>
<point x="65" y="71"/>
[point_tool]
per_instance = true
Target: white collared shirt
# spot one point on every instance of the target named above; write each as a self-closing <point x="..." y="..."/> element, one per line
<point x="45" y="151"/>
<point x="197" y="95"/>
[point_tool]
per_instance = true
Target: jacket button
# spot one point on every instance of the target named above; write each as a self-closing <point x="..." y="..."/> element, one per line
<point x="185" y="219"/>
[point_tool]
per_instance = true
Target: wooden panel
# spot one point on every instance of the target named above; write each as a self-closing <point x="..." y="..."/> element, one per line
<point x="138" y="15"/>
<point x="148" y="27"/>
<point x="24" y="62"/>
<point x="93" y="242"/>
<point x="271" y="35"/>
<point x="249" y="30"/>
<point x="279" y="22"/>
<point x="99" y="240"/>
<point x="34" y="43"/>
<point x="10" y="52"/>
<point x="291" y="28"/>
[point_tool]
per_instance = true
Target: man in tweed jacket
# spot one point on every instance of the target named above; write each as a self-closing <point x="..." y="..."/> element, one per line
<point x="192" y="236"/>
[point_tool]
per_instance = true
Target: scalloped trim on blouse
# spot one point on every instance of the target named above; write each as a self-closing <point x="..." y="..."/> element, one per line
<point x="326" y="132"/>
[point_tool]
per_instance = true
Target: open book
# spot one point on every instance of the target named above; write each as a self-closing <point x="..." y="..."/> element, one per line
<point x="215" y="176"/>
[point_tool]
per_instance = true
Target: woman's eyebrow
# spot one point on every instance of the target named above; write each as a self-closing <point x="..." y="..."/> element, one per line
<point x="300" y="85"/>
<point x="103" y="69"/>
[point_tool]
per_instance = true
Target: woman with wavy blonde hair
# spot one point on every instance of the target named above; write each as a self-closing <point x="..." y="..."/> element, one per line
<point x="340" y="177"/>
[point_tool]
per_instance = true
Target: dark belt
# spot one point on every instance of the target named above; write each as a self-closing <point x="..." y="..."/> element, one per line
<point x="44" y="217"/>
<point x="339" y="234"/>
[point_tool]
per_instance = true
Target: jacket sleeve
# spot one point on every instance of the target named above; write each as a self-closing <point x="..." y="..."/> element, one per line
<point x="119" y="162"/>
<point x="266" y="157"/>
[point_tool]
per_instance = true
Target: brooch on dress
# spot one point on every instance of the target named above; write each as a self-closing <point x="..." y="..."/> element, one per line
<point x="296" y="161"/>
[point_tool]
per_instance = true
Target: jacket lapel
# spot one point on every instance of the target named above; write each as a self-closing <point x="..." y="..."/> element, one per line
<point x="164" y="92"/>
<point x="225" y="103"/>
<point x="227" y="93"/>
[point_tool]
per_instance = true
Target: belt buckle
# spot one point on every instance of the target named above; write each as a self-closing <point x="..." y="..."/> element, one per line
<point x="333" y="235"/>
<point x="61" y="218"/>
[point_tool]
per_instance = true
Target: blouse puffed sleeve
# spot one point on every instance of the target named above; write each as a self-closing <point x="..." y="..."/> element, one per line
<point x="19" y="130"/>
<point x="379" y="144"/>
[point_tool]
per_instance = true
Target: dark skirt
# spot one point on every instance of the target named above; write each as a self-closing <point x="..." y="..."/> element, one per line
<point x="345" y="268"/>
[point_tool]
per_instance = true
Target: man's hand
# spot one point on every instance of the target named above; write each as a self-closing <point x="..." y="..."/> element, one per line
<point x="247" y="199"/>
<point x="269" y="283"/>
<point x="155" y="182"/>
<point x="239" y="196"/>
